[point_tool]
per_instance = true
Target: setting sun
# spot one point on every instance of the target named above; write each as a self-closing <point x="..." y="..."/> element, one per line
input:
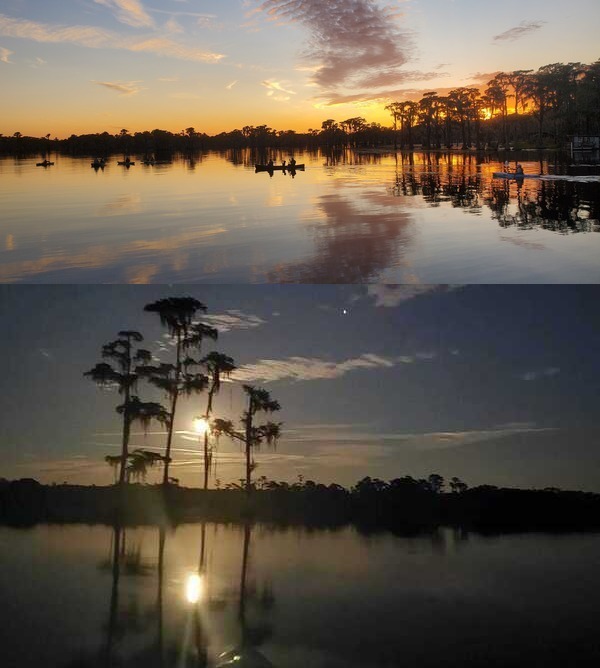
<point x="194" y="588"/>
<point x="201" y="426"/>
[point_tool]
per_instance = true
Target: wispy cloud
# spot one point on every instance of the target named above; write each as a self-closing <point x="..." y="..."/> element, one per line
<point x="122" y="87"/>
<point x="233" y="319"/>
<point x="130" y="12"/>
<point x="98" y="38"/>
<point x="522" y="30"/>
<point x="548" y="372"/>
<point x="167" y="47"/>
<point x="231" y="85"/>
<point x="351" y="41"/>
<point x="420" y="441"/>
<point x="393" y="77"/>
<point x="277" y="86"/>
<point x="38" y="62"/>
<point x="199" y="15"/>
<point x="173" y="27"/>
<point x="391" y="295"/>
<point x="222" y="322"/>
<point x="4" y="55"/>
<point x="314" y="368"/>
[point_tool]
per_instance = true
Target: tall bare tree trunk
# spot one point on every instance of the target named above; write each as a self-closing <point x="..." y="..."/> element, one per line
<point x="125" y="446"/>
<point x="206" y="460"/>
<point x="173" y="408"/>
<point x="126" y="420"/>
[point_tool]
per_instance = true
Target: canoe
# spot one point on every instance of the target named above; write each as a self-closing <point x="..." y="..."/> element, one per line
<point x="125" y="164"/>
<point x="46" y="163"/>
<point x="281" y="168"/>
<point x="99" y="163"/>
<point x="512" y="175"/>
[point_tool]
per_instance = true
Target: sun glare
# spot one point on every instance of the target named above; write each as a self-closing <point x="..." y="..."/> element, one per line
<point x="201" y="426"/>
<point x="194" y="588"/>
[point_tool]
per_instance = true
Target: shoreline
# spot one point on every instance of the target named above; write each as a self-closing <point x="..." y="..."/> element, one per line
<point x="397" y="508"/>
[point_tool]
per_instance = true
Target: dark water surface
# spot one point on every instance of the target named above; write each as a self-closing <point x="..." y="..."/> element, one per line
<point x="98" y="596"/>
<point x="356" y="218"/>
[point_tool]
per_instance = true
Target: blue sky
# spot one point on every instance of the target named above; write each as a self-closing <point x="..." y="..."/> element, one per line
<point x="493" y="384"/>
<point x="89" y="65"/>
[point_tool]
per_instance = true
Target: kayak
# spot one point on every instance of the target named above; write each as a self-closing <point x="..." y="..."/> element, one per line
<point x="512" y="175"/>
<point x="46" y="163"/>
<point x="281" y="168"/>
<point x="126" y="163"/>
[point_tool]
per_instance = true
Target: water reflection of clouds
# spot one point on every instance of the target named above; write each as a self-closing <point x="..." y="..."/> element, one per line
<point x="352" y="222"/>
<point x="106" y="256"/>
<point x="359" y="238"/>
<point x="122" y="205"/>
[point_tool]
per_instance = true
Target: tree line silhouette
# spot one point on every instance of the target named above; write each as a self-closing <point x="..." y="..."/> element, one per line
<point x="402" y="504"/>
<point x="522" y="108"/>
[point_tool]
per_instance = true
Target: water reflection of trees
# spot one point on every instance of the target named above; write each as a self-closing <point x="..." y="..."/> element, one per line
<point x="254" y="605"/>
<point x="560" y="206"/>
<point x="557" y="205"/>
<point x="463" y="192"/>
<point x="134" y="634"/>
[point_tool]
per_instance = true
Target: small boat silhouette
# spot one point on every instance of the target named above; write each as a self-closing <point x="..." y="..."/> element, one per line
<point x="284" y="168"/>
<point x="514" y="175"/>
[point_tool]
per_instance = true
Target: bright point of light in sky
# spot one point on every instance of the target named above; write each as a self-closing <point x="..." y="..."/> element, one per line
<point x="92" y="65"/>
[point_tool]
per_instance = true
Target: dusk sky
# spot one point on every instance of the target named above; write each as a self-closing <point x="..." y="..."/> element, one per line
<point x="493" y="384"/>
<point x="92" y="65"/>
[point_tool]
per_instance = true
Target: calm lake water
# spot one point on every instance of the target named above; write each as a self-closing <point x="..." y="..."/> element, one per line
<point x="359" y="218"/>
<point x="96" y="596"/>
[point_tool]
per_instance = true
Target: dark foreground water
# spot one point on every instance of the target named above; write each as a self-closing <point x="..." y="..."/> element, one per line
<point x="346" y="219"/>
<point x="96" y="596"/>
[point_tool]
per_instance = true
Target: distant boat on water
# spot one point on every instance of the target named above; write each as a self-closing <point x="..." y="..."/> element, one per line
<point x="126" y="163"/>
<point x="99" y="162"/>
<point x="513" y="175"/>
<point x="281" y="168"/>
<point x="45" y="163"/>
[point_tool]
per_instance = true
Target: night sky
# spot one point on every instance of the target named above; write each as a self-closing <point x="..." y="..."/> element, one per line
<point x="493" y="384"/>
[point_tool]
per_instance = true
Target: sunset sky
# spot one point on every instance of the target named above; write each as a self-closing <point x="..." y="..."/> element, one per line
<point x="79" y="66"/>
<point x="493" y="384"/>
